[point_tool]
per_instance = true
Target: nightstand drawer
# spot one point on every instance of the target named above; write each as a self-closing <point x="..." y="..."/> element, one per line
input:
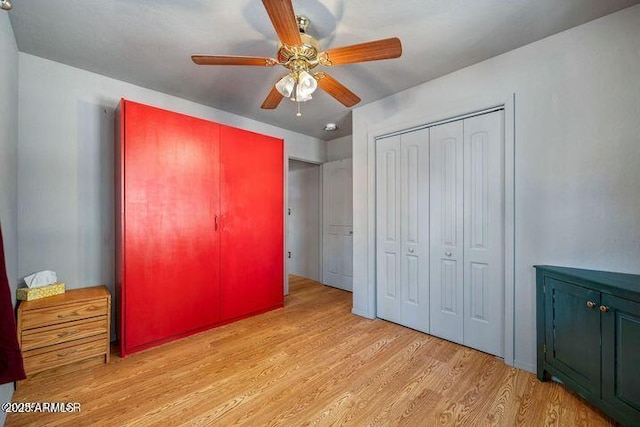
<point x="50" y="335"/>
<point x="62" y="354"/>
<point x="65" y="313"/>
<point x="63" y="329"/>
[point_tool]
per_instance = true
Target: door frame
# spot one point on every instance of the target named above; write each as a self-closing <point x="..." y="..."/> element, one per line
<point x="285" y="247"/>
<point x="457" y="111"/>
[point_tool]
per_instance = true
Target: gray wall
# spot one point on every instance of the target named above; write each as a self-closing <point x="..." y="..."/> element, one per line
<point x="65" y="165"/>
<point x="339" y="148"/>
<point x="8" y="162"/>
<point x="577" y="151"/>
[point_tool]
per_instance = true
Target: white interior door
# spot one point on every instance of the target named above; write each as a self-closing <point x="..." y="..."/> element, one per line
<point x="415" y="230"/>
<point x="484" y="233"/>
<point x="446" y="222"/>
<point x="403" y="229"/>
<point x="440" y="231"/>
<point x="388" y="220"/>
<point x="337" y="259"/>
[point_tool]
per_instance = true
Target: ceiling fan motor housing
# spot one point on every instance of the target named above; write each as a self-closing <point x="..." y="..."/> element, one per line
<point x="303" y="57"/>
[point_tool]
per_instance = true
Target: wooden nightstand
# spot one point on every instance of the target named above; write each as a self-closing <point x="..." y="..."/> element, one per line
<point x="64" y="329"/>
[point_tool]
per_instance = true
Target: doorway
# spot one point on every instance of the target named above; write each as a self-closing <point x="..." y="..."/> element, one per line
<point x="303" y="220"/>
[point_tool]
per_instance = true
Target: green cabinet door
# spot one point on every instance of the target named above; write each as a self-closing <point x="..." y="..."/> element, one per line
<point x="573" y="333"/>
<point x="621" y="357"/>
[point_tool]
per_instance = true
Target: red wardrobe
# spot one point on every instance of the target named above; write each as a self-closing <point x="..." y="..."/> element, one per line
<point x="199" y="224"/>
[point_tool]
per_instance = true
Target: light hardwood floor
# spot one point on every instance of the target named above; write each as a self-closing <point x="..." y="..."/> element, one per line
<point x="311" y="363"/>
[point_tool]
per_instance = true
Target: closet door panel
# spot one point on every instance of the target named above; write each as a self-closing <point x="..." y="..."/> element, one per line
<point x="171" y="197"/>
<point x="388" y="232"/>
<point x="446" y="221"/>
<point x="415" y="230"/>
<point x="252" y="205"/>
<point x="484" y="239"/>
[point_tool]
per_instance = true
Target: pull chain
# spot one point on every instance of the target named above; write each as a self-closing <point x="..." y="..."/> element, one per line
<point x="298" y="114"/>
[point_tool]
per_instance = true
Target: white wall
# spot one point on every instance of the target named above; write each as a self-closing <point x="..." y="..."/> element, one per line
<point x="303" y="231"/>
<point x="8" y="163"/>
<point x="339" y="148"/>
<point x="65" y="165"/>
<point x="577" y="155"/>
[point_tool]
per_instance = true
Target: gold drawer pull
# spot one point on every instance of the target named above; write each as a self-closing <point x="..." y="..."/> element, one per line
<point x="604" y="308"/>
<point x="591" y="304"/>
<point x="63" y="316"/>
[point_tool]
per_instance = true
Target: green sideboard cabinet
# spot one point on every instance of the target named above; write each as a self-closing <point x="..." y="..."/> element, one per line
<point x="588" y="336"/>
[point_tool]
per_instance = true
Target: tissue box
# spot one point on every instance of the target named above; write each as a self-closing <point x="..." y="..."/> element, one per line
<point x="29" y="294"/>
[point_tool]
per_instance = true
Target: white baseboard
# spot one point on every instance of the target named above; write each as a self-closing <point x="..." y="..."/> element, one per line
<point x="525" y="366"/>
<point x="361" y="313"/>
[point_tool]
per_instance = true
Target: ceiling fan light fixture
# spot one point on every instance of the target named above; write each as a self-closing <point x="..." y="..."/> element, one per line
<point x="301" y="98"/>
<point x="285" y="85"/>
<point x="300" y="52"/>
<point x="307" y="84"/>
<point x="5" y="4"/>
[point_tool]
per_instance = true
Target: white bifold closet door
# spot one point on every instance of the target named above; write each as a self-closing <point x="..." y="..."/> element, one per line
<point x="446" y="225"/>
<point x="457" y="218"/>
<point x="402" y="224"/>
<point x="467" y="237"/>
<point x="484" y="233"/>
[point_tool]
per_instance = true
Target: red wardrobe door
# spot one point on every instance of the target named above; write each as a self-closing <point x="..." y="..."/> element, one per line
<point x="252" y="261"/>
<point x="171" y="244"/>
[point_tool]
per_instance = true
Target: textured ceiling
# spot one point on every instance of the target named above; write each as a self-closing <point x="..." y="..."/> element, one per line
<point x="149" y="43"/>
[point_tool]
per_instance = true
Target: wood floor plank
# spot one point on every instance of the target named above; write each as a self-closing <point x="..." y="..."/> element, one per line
<point x="311" y="363"/>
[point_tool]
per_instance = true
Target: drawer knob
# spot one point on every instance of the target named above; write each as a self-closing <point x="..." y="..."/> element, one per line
<point x="604" y="308"/>
<point x="591" y="304"/>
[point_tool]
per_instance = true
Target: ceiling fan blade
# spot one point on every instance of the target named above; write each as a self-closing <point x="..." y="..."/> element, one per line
<point x="284" y="21"/>
<point x="233" y="60"/>
<point x="272" y="100"/>
<point x="336" y="89"/>
<point x="370" y="51"/>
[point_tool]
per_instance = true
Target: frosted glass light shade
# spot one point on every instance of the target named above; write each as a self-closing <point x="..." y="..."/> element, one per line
<point x="307" y="84"/>
<point x="285" y="85"/>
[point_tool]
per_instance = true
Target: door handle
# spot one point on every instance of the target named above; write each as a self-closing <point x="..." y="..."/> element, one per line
<point x="604" y="308"/>
<point x="591" y="304"/>
<point x="448" y="253"/>
<point x="216" y="222"/>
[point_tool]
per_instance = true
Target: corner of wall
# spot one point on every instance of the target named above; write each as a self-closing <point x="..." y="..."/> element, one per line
<point x="339" y="148"/>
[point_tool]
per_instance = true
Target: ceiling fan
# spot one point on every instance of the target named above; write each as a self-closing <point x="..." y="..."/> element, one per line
<point x="300" y="53"/>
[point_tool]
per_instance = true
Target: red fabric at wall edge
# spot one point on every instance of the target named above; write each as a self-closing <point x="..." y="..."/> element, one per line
<point x="11" y="366"/>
